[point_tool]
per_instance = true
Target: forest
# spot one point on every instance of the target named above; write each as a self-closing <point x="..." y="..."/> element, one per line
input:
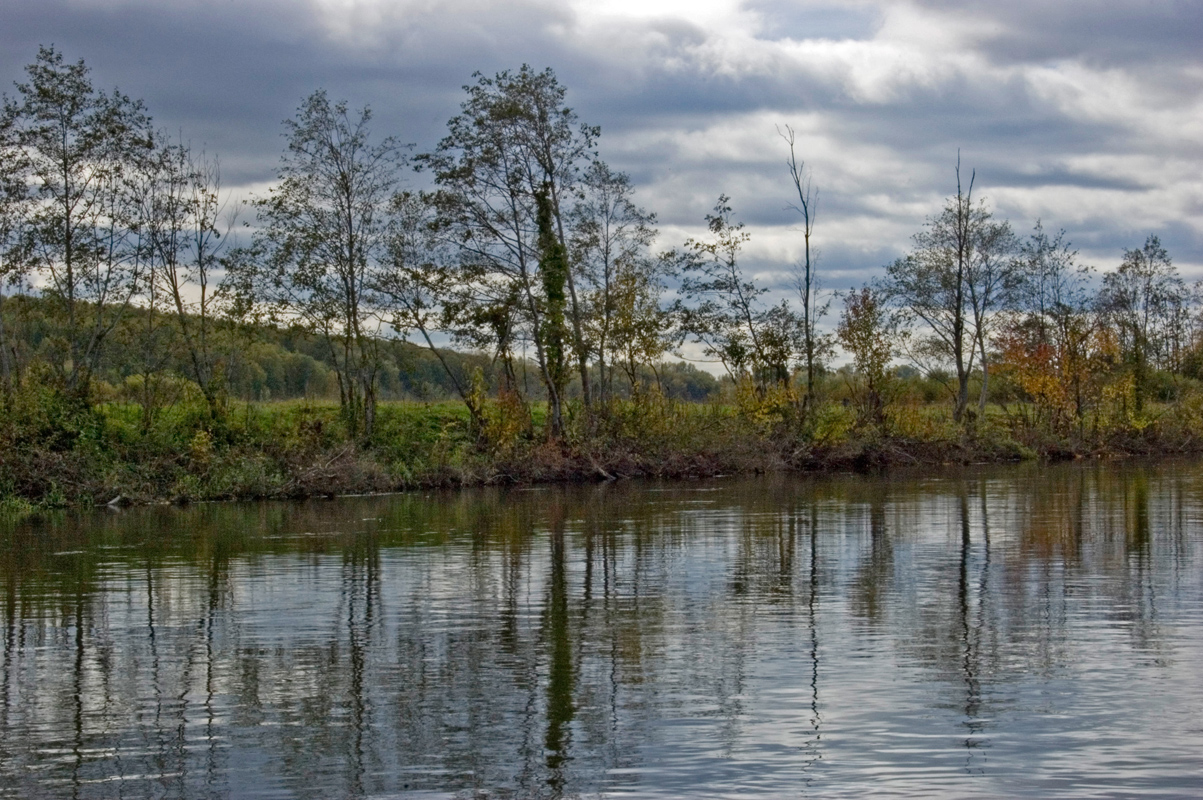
<point x="519" y="319"/>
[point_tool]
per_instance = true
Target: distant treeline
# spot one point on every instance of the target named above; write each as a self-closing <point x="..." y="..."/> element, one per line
<point x="265" y="362"/>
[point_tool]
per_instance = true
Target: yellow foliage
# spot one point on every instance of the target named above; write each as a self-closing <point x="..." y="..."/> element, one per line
<point x="507" y="421"/>
<point x="1118" y="409"/>
<point x="200" y="449"/>
<point x="765" y="406"/>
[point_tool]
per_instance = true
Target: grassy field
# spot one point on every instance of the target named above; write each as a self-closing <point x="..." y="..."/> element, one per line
<point x="51" y="455"/>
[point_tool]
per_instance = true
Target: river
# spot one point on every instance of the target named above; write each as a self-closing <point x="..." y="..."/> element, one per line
<point x="1031" y="630"/>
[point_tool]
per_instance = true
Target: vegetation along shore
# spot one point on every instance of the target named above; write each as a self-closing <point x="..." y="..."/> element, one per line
<point x="518" y="319"/>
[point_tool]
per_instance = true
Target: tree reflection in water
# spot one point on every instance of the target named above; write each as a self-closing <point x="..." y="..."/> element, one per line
<point x="648" y="639"/>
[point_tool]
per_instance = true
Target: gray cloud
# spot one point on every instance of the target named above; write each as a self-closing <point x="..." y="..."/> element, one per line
<point x="1100" y="32"/>
<point x="788" y="19"/>
<point x="1087" y="115"/>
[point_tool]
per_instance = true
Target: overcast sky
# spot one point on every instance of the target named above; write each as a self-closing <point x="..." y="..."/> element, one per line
<point x="1088" y="115"/>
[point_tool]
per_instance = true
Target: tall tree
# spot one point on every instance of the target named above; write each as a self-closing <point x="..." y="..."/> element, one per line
<point x="814" y="346"/>
<point x="325" y="238"/>
<point x="421" y="290"/>
<point x="146" y="339"/>
<point x="611" y="237"/>
<point x="14" y="210"/>
<point x="563" y="147"/>
<point x="512" y="140"/>
<point x="553" y="270"/>
<point x="1143" y="297"/>
<point x="1050" y="342"/>
<point x="993" y="280"/>
<point x="183" y="219"/>
<point x="952" y="283"/>
<point x="1053" y="283"/>
<point x="723" y="310"/>
<point x="84" y="151"/>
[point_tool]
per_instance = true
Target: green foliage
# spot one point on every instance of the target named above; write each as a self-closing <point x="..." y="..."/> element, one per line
<point x="13" y="507"/>
<point x="869" y="332"/>
<point x="44" y="413"/>
<point x="553" y="272"/>
<point x="323" y="245"/>
<point x="130" y="373"/>
<point x="82" y="150"/>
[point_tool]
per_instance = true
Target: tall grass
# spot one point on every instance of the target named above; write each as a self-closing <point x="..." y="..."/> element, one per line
<point x="58" y="451"/>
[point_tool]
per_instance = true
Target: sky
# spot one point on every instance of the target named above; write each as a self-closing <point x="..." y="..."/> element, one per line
<point x="1085" y="115"/>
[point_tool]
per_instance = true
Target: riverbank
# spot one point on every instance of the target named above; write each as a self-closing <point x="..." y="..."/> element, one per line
<point x="117" y="453"/>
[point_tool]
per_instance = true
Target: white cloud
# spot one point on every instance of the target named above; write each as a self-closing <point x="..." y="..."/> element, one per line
<point x="1096" y="131"/>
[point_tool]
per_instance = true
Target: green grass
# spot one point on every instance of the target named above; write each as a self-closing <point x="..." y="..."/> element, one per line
<point x="53" y="454"/>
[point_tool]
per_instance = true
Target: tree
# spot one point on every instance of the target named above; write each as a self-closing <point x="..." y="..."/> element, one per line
<point x="185" y="207"/>
<point x="952" y="282"/>
<point x="1048" y="346"/>
<point x="1053" y="284"/>
<point x="14" y="210"/>
<point x="325" y="238"/>
<point x="993" y="279"/>
<point x="641" y="329"/>
<point x="1144" y="298"/>
<point x="562" y="146"/>
<point x="868" y="330"/>
<point x="724" y="311"/>
<point x="513" y="141"/>
<point x="146" y="338"/>
<point x="419" y="289"/>
<point x="611" y="236"/>
<point x="84" y="151"/>
<point x="806" y="282"/>
<point x="553" y="270"/>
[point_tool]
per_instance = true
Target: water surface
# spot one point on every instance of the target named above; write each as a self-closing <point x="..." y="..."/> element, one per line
<point x="1017" y="631"/>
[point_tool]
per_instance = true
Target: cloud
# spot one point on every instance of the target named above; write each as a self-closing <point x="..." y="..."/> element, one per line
<point x="1100" y="33"/>
<point x="1087" y="115"/>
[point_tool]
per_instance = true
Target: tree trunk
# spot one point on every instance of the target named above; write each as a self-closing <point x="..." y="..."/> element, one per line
<point x="369" y="405"/>
<point x="981" y="403"/>
<point x="582" y="355"/>
<point x="1140" y="376"/>
<point x="6" y="367"/>
<point x="962" y="403"/>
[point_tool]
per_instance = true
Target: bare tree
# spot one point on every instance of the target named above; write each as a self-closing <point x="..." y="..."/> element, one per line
<point x="951" y="282"/>
<point x="806" y="280"/>
<point x="993" y="280"/>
